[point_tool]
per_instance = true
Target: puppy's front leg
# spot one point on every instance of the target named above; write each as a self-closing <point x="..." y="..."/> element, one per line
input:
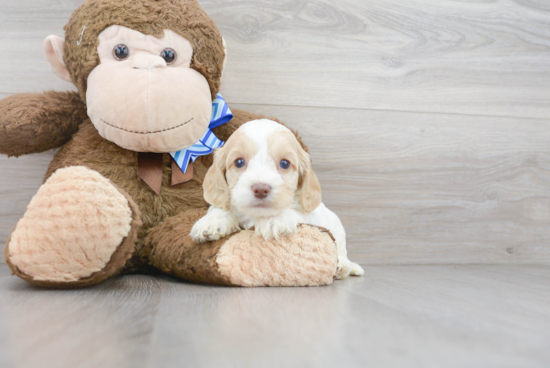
<point x="216" y="224"/>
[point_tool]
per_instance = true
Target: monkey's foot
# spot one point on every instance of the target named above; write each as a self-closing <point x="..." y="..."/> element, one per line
<point x="78" y="230"/>
<point x="307" y="257"/>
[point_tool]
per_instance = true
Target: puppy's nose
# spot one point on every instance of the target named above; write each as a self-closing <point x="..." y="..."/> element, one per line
<point x="261" y="190"/>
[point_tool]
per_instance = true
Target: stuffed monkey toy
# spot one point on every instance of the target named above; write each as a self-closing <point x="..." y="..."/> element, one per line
<point x="116" y="199"/>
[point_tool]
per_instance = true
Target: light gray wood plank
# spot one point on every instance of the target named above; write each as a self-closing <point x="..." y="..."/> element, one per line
<point x="19" y="182"/>
<point x="23" y="27"/>
<point x="395" y="316"/>
<point x="105" y="326"/>
<point x="423" y="55"/>
<point x="431" y="188"/>
<point x="465" y="57"/>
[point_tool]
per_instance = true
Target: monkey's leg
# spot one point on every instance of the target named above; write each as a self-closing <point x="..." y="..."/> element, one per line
<point x="305" y="258"/>
<point x="79" y="229"/>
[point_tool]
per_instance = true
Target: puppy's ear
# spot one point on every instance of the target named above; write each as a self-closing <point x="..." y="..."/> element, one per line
<point x="216" y="190"/>
<point x="310" y="197"/>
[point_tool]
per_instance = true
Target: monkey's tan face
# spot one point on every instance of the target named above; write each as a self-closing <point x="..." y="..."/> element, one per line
<point x="143" y="96"/>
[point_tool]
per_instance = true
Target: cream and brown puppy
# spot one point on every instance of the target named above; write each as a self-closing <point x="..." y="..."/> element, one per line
<point x="263" y="178"/>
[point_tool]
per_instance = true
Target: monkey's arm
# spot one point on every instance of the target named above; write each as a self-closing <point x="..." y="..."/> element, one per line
<point x="37" y="122"/>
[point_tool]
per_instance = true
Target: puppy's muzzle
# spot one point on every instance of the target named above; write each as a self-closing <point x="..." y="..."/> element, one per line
<point x="261" y="190"/>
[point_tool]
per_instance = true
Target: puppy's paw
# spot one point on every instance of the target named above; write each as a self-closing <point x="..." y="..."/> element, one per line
<point x="356" y="270"/>
<point x="211" y="230"/>
<point x="343" y="269"/>
<point x="213" y="226"/>
<point x="275" y="227"/>
<point x="346" y="268"/>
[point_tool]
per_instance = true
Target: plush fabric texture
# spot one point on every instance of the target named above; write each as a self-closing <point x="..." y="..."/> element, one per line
<point x="302" y="259"/>
<point x="72" y="227"/>
<point x="144" y="108"/>
<point x="150" y="17"/>
<point x="149" y="109"/>
<point x="114" y="267"/>
<point x="171" y="250"/>
<point x="37" y="122"/>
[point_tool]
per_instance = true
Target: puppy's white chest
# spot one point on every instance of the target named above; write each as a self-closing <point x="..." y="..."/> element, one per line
<point x="246" y="222"/>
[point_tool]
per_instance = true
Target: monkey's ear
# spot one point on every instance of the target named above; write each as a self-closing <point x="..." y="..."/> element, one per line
<point x="54" y="47"/>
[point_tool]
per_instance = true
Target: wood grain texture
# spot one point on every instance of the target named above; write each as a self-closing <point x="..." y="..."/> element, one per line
<point x="395" y="316"/>
<point x="19" y="182"/>
<point x="483" y="57"/>
<point x="24" y="25"/>
<point x="107" y="326"/>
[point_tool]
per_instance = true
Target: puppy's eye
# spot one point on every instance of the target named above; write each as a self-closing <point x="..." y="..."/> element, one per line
<point x="121" y="52"/>
<point x="169" y="55"/>
<point x="284" y="164"/>
<point x="240" y="162"/>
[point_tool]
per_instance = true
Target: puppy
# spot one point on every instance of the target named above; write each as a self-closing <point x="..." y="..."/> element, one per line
<point x="263" y="178"/>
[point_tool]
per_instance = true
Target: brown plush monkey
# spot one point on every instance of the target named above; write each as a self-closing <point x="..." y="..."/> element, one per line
<point x="147" y="72"/>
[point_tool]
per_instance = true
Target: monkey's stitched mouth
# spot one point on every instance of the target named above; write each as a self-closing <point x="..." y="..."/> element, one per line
<point x="154" y="132"/>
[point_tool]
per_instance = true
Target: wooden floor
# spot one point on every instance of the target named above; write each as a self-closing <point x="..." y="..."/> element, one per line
<point x="395" y="316"/>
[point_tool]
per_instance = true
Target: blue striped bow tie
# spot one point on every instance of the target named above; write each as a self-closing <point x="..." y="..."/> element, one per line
<point x="221" y="114"/>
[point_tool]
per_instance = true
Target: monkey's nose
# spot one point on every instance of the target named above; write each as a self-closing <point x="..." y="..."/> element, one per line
<point x="261" y="190"/>
<point x="145" y="61"/>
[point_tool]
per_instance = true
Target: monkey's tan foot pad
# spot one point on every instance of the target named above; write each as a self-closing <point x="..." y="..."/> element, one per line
<point x="306" y="258"/>
<point x="78" y="230"/>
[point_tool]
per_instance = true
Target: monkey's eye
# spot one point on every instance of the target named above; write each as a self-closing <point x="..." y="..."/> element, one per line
<point x="240" y="162"/>
<point x="121" y="52"/>
<point x="169" y="55"/>
<point x="284" y="164"/>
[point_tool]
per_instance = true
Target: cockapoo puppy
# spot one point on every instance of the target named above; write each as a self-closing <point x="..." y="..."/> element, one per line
<point x="263" y="178"/>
